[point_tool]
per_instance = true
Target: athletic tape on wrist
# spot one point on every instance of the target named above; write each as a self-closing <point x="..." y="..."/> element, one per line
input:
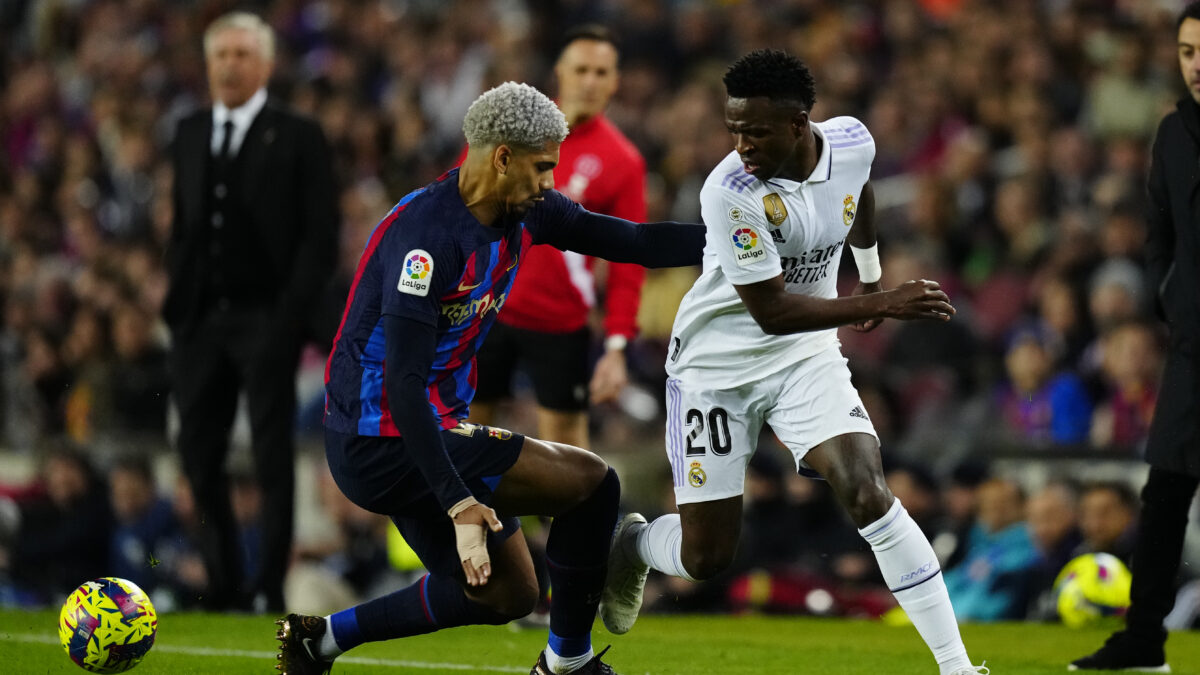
<point x="462" y="506"/>
<point x="867" y="260"/>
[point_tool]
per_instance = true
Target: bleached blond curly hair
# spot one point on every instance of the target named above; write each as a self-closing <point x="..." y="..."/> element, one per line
<point x="514" y="114"/>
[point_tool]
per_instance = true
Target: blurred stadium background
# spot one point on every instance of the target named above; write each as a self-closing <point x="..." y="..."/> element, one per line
<point x="1012" y="142"/>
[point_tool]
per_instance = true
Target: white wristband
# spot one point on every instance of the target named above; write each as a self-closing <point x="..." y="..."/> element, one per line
<point x="867" y="259"/>
<point x="615" y="342"/>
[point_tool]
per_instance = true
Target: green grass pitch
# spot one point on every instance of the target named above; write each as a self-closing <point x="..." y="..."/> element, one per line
<point x="658" y="645"/>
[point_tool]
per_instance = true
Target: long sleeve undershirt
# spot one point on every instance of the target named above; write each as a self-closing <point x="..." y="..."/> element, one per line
<point x="410" y="349"/>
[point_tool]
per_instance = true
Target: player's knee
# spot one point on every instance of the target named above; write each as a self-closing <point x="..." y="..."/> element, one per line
<point x="598" y="479"/>
<point x="869" y="502"/>
<point x="521" y="602"/>
<point x="702" y="565"/>
<point x="515" y="601"/>
<point x="608" y="488"/>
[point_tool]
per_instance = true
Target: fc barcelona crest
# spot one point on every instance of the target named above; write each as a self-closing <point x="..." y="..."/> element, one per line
<point x="775" y="210"/>
<point x="849" y="209"/>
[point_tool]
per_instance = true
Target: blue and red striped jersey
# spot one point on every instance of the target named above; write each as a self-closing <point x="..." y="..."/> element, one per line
<point x="428" y="260"/>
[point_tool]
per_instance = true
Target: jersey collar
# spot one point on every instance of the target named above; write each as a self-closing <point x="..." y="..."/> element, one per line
<point x="820" y="173"/>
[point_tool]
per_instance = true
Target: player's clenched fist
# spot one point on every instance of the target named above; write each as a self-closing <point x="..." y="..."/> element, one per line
<point x="919" y="299"/>
<point x="471" y="522"/>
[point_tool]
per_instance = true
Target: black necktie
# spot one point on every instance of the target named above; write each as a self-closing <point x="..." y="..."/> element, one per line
<point x="226" y="141"/>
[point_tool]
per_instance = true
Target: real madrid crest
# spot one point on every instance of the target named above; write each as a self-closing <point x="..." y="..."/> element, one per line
<point x="696" y="475"/>
<point x="775" y="210"/>
<point x="849" y="209"/>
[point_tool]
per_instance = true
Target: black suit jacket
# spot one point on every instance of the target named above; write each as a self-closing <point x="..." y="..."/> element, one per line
<point x="1174" y="274"/>
<point x="286" y="177"/>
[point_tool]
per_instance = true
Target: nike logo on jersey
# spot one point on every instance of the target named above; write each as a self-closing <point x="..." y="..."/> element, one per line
<point x="463" y="287"/>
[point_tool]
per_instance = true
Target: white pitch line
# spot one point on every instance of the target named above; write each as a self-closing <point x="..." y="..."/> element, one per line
<point x="248" y="654"/>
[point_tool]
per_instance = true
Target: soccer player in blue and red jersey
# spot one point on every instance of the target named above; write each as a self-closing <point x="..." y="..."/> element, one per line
<point x="434" y="274"/>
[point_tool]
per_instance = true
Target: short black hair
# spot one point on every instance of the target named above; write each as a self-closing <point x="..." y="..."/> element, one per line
<point x="1192" y="11"/>
<point x="772" y="73"/>
<point x="588" y="31"/>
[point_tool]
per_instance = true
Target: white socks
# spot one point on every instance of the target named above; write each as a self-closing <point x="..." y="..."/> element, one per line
<point x="566" y="664"/>
<point x="659" y="544"/>
<point x="911" y="571"/>
<point x="329" y="647"/>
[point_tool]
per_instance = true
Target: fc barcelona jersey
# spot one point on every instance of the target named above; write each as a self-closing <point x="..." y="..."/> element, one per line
<point x="429" y="260"/>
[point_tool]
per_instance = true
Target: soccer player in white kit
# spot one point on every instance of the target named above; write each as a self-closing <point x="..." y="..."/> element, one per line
<point x="755" y="342"/>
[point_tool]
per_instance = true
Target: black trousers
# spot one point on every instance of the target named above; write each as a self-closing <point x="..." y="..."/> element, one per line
<point x="231" y="352"/>
<point x="1166" y="499"/>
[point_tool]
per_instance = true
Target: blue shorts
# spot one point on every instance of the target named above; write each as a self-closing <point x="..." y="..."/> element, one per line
<point x="378" y="474"/>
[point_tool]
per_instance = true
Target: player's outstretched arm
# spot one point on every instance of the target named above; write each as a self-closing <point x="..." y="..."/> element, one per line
<point x="568" y="226"/>
<point x="778" y="312"/>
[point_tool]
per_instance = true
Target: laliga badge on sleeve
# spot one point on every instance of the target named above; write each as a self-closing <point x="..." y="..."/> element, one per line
<point x="747" y="249"/>
<point x="418" y="273"/>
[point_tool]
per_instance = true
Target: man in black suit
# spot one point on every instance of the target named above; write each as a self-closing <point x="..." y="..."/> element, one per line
<point x="1173" y="448"/>
<point x="254" y="241"/>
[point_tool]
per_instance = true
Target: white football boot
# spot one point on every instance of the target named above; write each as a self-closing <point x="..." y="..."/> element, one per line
<point x="626" y="580"/>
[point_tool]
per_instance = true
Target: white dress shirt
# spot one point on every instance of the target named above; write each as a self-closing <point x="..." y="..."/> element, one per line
<point x="241" y="116"/>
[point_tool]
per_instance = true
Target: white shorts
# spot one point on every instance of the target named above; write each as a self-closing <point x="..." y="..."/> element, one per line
<point x="712" y="433"/>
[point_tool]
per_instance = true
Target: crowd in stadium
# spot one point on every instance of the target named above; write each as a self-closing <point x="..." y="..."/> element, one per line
<point x="1012" y="144"/>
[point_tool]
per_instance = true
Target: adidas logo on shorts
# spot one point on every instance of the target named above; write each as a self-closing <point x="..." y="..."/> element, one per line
<point x="859" y="412"/>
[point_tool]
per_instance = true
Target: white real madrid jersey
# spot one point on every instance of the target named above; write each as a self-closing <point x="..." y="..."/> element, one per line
<point x="756" y="230"/>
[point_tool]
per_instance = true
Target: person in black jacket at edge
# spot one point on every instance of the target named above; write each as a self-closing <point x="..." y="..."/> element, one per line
<point x="1173" y="448"/>
<point x="253" y="243"/>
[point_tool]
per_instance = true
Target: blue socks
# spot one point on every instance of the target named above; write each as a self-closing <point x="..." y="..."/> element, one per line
<point x="432" y="603"/>
<point x="577" y="558"/>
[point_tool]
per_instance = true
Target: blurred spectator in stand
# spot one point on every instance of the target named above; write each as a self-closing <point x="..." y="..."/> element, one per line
<point x="960" y="504"/>
<point x="37" y="392"/>
<point x="63" y="538"/>
<point x="145" y="528"/>
<point x="1062" y="314"/>
<point x="1117" y="293"/>
<point x="993" y="581"/>
<point x="1120" y="100"/>
<point x="1053" y="516"/>
<point x="140" y="381"/>
<point x="1108" y="519"/>
<point x="87" y="352"/>
<point x="1131" y="367"/>
<point x="1038" y="404"/>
